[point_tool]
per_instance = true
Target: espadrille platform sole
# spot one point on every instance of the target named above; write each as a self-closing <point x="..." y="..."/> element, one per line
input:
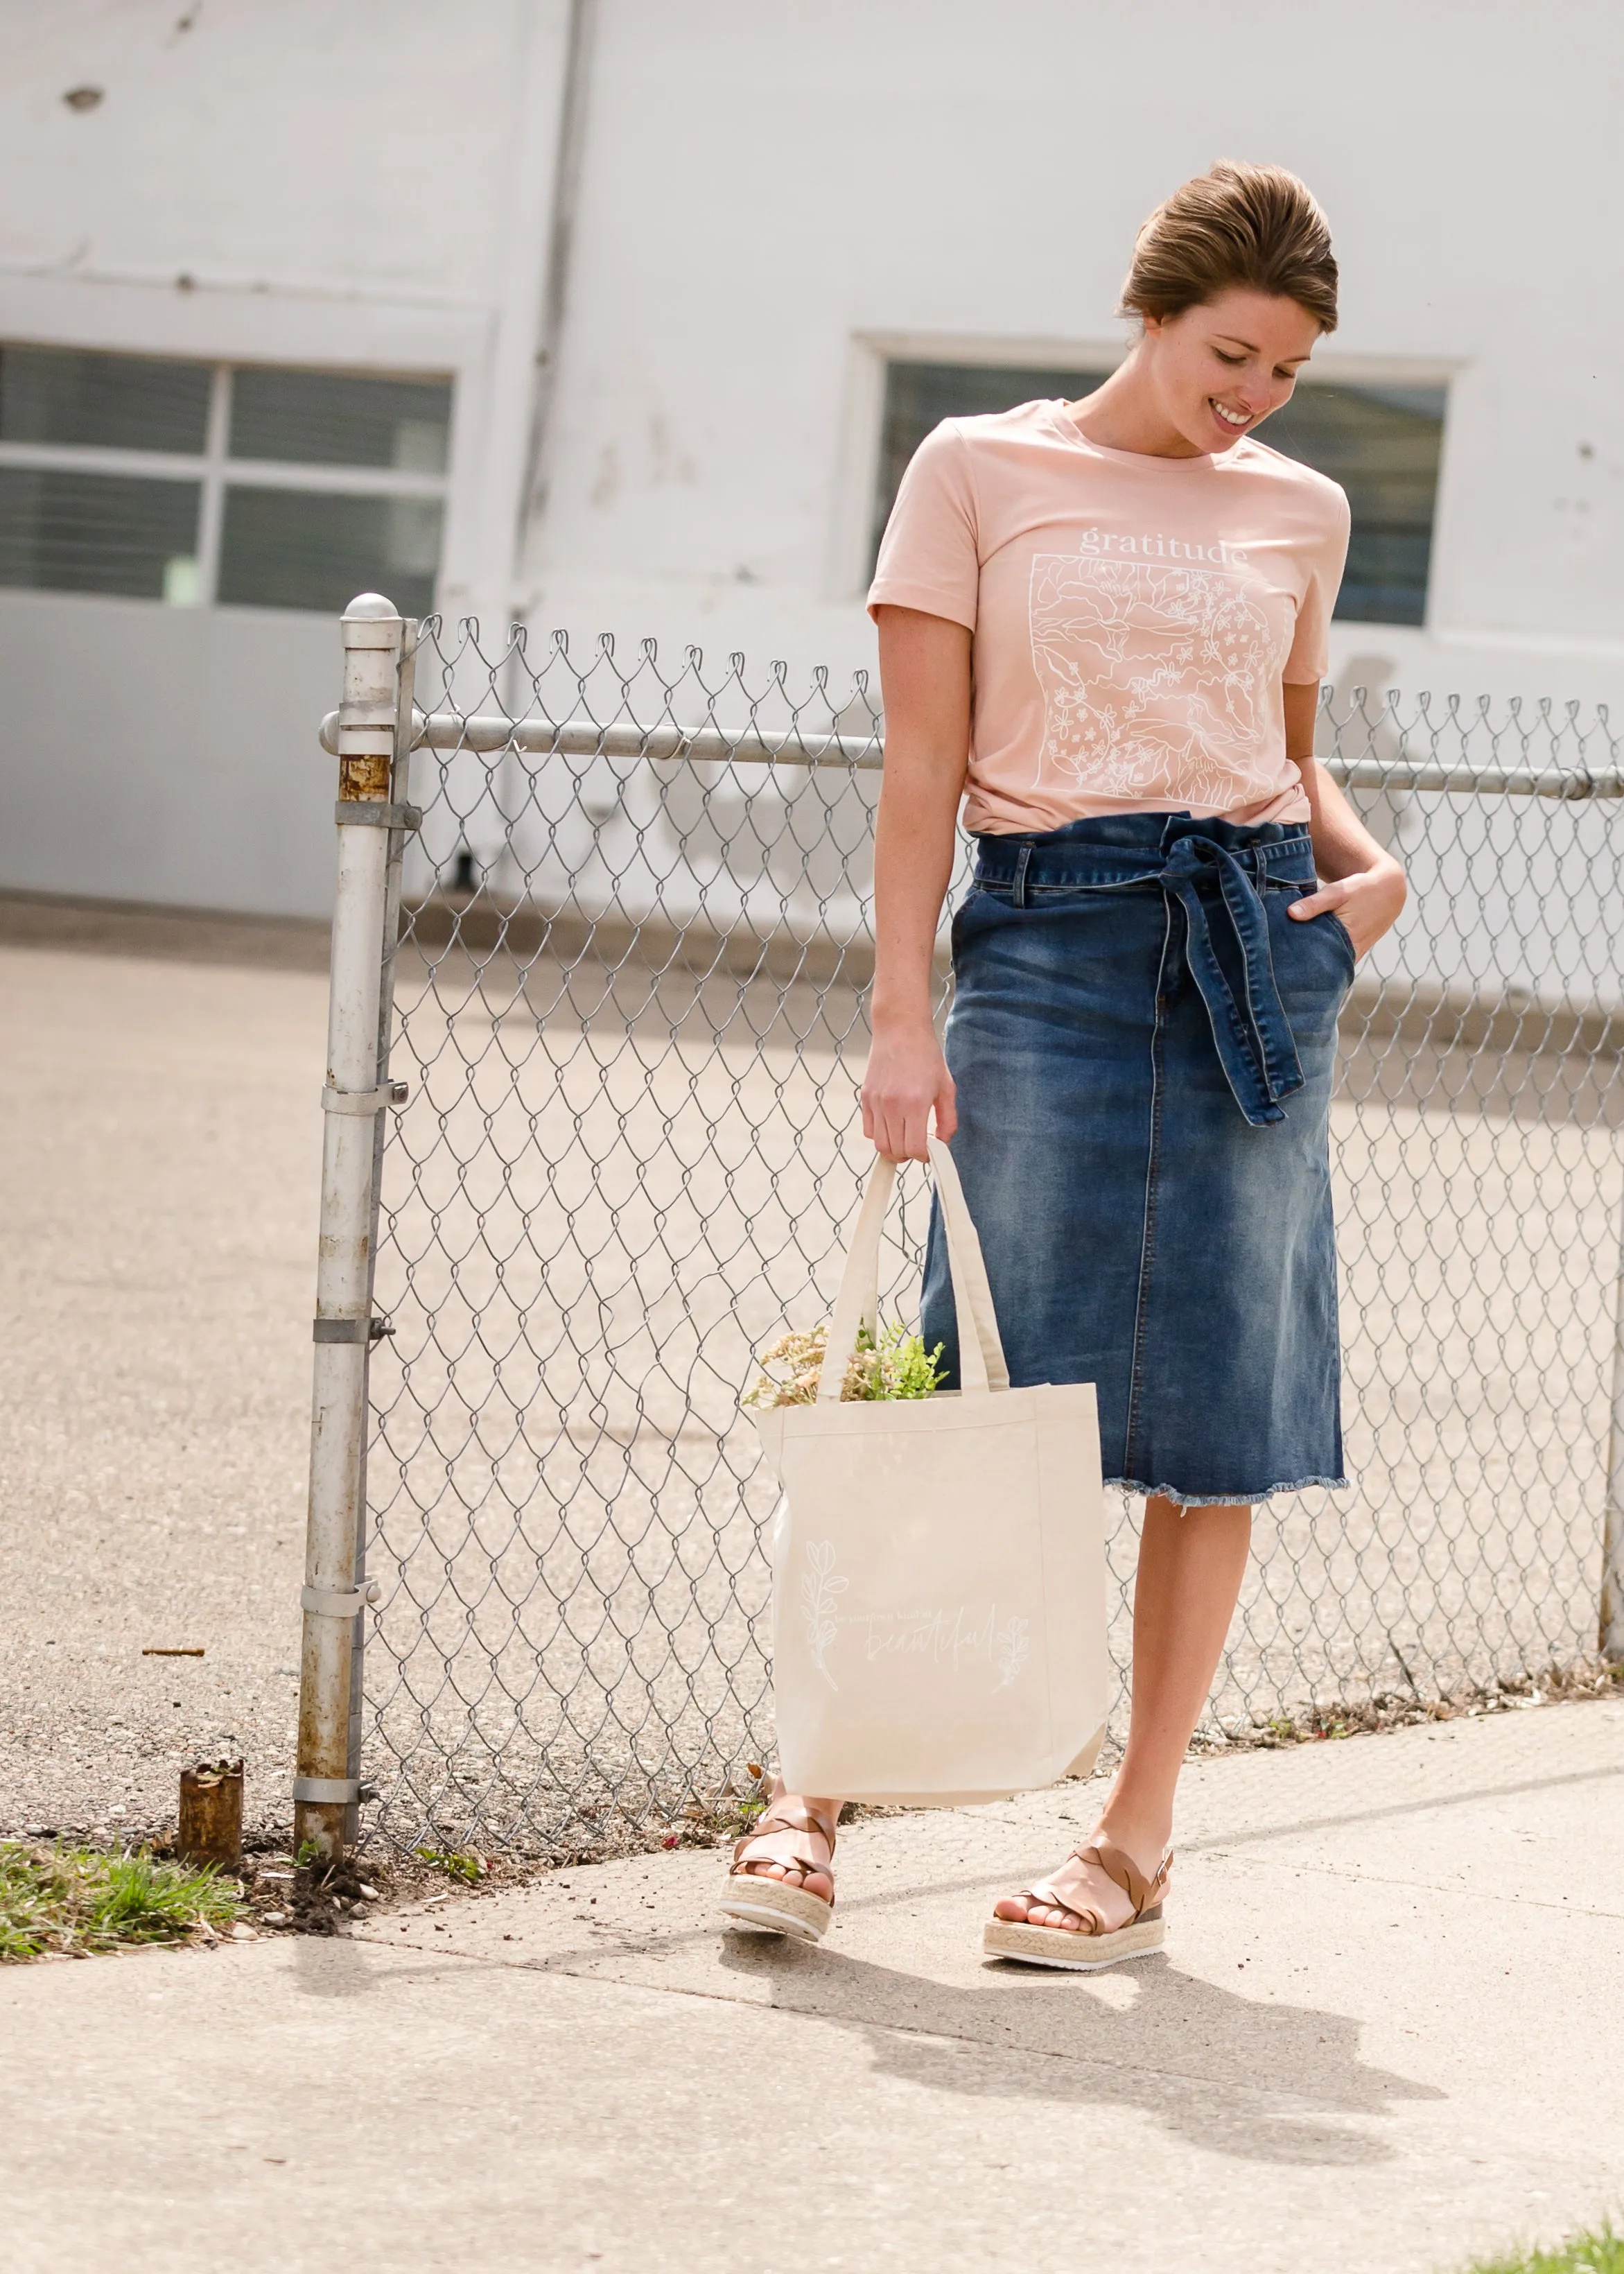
<point x="777" y="1909"/>
<point x="1078" y="1954"/>
<point x="789" y="1834"/>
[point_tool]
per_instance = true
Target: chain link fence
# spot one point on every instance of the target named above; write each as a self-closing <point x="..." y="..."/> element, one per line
<point x="629" y="999"/>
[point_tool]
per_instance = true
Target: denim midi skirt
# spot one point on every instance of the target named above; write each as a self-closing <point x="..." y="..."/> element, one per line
<point x="1143" y="1044"/>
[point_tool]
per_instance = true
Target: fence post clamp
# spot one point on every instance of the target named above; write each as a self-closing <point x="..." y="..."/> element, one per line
<point x="374" y="813"/>
<point x="333" y="1792"/>
<point x="349" y="1330"/>
<point x="340" y="1602"/>
<point x="365" y="1101"/>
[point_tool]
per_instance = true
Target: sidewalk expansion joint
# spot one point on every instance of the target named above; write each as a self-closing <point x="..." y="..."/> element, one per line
<point x="1417" y="1887"/>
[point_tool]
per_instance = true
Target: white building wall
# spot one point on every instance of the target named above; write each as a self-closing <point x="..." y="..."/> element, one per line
<point x="307" y="184"/>
<point x="172" y="760"/>
<point x="769" y="191"/>
<point x="772" y="197"/>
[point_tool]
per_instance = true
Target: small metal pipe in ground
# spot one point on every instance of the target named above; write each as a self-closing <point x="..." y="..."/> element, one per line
<point x="211" y="1813"/>
<point x="325" y="1789"/>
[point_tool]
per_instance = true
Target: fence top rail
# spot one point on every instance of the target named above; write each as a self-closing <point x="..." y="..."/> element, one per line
<point x="1574" y="782"/>
<point x="491" y="733"/>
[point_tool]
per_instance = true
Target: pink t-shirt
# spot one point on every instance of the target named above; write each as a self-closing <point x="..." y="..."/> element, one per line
<point x="1133" y="617"/>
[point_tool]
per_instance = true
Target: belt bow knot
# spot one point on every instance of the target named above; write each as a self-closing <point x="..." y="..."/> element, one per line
<point x="1253" y="1039"/>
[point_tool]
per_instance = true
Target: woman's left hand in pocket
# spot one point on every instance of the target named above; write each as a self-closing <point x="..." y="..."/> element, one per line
<point x="1368" y="903"/>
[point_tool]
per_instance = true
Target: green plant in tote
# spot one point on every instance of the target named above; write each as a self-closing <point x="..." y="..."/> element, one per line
<point x="897" y="1365"/>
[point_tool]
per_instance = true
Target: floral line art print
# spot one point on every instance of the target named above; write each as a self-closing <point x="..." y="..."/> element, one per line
<point x="1011" y="1649"/>
<point x="819" y="1592"/>
<point x="1155" y="677"/>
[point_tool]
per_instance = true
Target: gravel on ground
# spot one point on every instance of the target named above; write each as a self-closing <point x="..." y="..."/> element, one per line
<point x="160" y="1149"/>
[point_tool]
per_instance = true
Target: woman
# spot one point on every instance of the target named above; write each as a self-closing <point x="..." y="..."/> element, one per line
<point x="1106" y="622"/>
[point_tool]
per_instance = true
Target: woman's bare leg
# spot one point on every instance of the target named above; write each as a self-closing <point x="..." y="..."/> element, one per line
<point x="1191" y="1562"/>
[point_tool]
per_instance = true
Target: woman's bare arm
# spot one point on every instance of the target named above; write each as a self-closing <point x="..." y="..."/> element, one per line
<point x="925" y="677"/>
<point x="1365" y="884"/>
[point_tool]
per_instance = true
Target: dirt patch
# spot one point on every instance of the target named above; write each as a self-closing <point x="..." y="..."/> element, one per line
<point x="1591" y="1678"/>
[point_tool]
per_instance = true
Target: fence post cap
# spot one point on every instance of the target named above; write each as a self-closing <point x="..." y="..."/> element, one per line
<point x="371" y="621"/>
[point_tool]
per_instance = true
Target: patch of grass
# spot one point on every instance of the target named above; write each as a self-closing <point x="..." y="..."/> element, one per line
<point x="1600" y="2250"/>
<point x="82" y="1900"/>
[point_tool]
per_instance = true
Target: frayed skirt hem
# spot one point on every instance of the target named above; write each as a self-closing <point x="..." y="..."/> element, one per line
<point x="1224" y="1500"/>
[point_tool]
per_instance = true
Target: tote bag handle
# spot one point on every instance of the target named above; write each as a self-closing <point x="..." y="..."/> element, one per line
<point x="981" y="1351"/>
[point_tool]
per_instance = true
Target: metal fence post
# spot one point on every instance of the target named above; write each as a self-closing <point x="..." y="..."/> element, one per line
<point x="404" y="723"/>
<point x="1610" y="1624"/>
<point x="326" y="1786"/>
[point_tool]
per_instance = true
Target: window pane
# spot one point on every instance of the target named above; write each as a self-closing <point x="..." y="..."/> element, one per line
<point x="920" y="396"/>
<point x="98" y="533"/>
<point x="326" y="418"/>
<point x="1383" y="444"/>
<point x="294" y="549"/>
<point x="116" y="403"/>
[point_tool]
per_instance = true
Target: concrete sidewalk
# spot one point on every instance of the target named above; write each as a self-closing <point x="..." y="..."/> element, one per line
<point x="1384" y="2036"/>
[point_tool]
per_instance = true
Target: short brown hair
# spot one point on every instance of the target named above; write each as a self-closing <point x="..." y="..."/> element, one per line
<point x="1257" y="227"/>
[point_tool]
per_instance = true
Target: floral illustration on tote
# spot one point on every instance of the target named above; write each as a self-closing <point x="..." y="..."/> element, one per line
<point x="819" y="1592"/>
<point x="1011" y="1648"/>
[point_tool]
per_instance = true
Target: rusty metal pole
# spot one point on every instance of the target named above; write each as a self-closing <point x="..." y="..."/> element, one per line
<point x="211" y="1813"/>
<point x="325" y="1787"/>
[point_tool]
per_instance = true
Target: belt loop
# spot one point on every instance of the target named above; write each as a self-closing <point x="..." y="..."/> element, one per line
<point x="1021" y="861"/>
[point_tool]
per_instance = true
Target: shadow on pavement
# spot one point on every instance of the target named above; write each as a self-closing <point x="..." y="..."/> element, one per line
<point x="1212" y="2066"/>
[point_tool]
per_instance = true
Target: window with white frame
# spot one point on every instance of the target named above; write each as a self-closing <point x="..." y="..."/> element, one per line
<point x="219" y="484"/>
<point x="1382" y="443"/>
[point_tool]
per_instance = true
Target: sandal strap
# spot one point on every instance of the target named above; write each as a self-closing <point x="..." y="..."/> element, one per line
<point x="792" y="1816"/>
<point x="1120" y="1868"/>
<point x="788" y="1832"/>
<point x="1052" y="1899"/>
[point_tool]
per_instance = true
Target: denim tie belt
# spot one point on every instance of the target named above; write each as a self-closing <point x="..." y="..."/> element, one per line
<point x="1251" y="1033"/>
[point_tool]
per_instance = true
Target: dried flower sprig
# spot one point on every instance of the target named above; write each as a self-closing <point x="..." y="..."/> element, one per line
<point x="897" y="1366"/>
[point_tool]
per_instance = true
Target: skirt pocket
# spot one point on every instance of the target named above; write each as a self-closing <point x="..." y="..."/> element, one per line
<point x="1332" y="918"/>
<point x="1313" y="969"/>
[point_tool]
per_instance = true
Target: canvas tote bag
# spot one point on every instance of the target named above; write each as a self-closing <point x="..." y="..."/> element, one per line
<point x="938" y="1562"/>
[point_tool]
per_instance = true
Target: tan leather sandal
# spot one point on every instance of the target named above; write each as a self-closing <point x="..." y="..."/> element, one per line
<point x="785" y="1835"/>
<point x="1091" y="1945"/>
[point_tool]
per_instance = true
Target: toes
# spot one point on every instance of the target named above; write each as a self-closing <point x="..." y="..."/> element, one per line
<point x="1012" y="1908"/>
<point x="789" y="1875"/>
